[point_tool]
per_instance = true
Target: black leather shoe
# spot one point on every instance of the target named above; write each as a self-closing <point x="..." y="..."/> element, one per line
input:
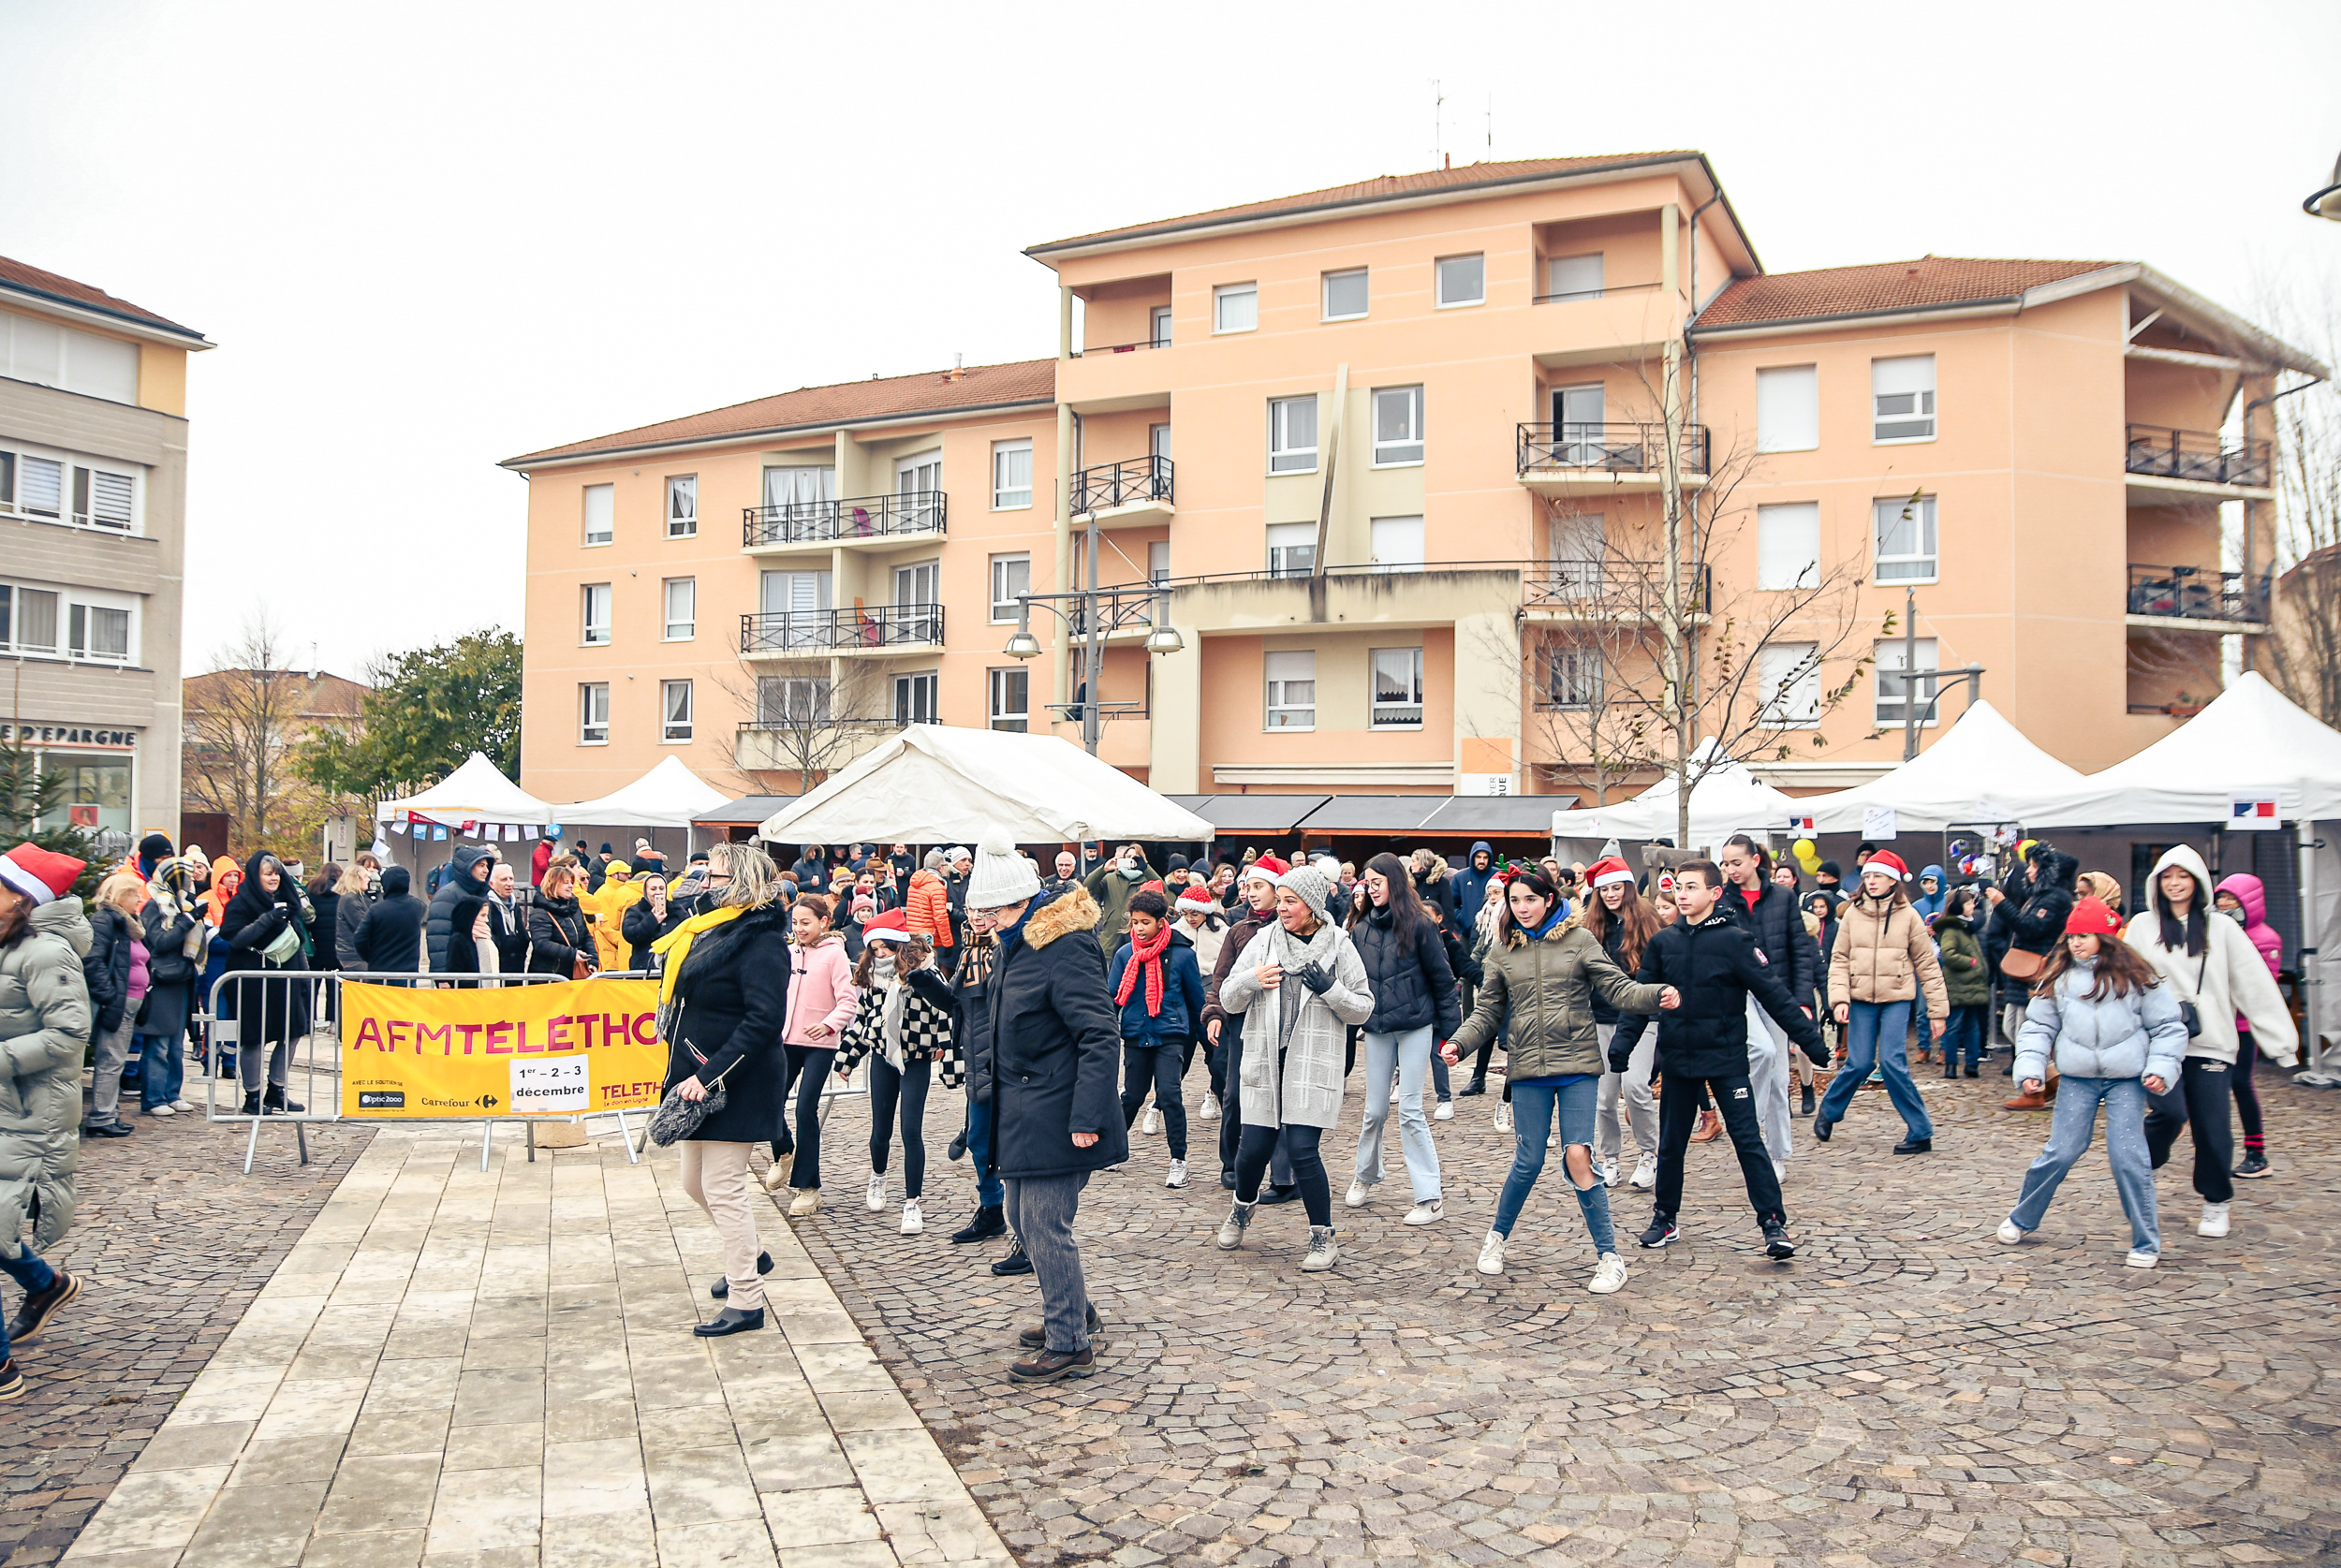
<point x="1037" y="1338"/>
<point x="1915" y="1146"/>
<point x="1280" y="1195"/>
<point x="958" y="1148"/>
<point x="1226" y="1180"/>
<point x="731" y="1320"/>
<point x="275" y="1101"/>
<point x="722" y="1287"/>
<point x="1015" y="1263"/>
<point x="1822" y="1127"/>
<point x="1810" y="1100"/>
<point x="251" y="1105"/>
<point x="1974" y="1071"/>
<point x="12" y="1380"/>
<point x="1052" y="1365"/>
<point x="117" y="1128"/>
<point x="989" y="1221"/>
<point x="1477" y="1086"/>
<point x="38" y="1310"/>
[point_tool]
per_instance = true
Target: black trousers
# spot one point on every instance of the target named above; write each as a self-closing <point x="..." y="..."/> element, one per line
<point x="1679" y="1099"/>
<point x="808" y="1069"/>
<point x="1308" y="1170"/>
<point x="904" y="1093"/>
<point x="2199" y="1100"/>
<point x="1230" y="1090"/>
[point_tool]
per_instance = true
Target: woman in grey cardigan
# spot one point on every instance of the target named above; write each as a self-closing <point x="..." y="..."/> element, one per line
<point x="1295" y="1089"/>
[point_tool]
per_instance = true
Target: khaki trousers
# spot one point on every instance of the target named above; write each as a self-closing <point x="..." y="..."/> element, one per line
<point x="717" y="1177"/>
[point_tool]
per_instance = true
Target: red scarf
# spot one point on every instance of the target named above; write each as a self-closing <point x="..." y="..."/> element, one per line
<point x="1150" y="955"/>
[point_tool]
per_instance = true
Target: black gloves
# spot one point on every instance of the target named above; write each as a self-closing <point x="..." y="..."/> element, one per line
<point x="1619" y="1060"/>
<point x="1315" y="976"/>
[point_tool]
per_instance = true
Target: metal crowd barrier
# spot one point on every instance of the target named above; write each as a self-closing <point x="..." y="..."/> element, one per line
<point x="313" y="1067"/>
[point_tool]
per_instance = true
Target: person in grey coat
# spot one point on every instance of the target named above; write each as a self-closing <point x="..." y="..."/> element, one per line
<point x="1291" y="1077"/>
<point x="44" y="1030"/>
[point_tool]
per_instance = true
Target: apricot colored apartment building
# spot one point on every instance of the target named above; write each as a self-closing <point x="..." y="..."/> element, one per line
<point x="1393" y="459"/>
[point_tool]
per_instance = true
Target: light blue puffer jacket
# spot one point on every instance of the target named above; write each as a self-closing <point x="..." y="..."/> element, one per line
<point x="2112" y="1037"/>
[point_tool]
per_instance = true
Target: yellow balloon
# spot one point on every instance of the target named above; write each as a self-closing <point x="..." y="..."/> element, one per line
<point x="1807" y="855"/>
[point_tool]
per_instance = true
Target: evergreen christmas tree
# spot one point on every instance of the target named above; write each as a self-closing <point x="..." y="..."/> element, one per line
<point x="28" y="796"/>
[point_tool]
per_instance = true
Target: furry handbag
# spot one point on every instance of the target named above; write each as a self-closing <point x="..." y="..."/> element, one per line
<point x="677" y="1118"/>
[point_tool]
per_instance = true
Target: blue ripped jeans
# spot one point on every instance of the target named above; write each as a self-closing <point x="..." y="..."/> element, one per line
<point x="1534" y="1107"/>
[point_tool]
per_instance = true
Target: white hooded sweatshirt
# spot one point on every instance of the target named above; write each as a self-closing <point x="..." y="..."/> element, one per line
<point x="2226" y="978"/>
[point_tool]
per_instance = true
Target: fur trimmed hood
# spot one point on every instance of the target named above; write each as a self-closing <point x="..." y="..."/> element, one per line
<point x="1518" y="938"/>
<point x="1067" y="911"/>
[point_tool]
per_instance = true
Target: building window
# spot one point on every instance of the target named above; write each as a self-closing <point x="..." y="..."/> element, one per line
<point x="1012" y="706"/>
<point x="593" y="713"/>
<point x="1787" y="677"/>
<point x="1011" y="579"/>
<point x="791" y="701"/>
<point x="40" y="486"/>
<point x="1788" y="545"/>
<point x="34" y="486"/>
<point x="102" y="498"/>
<point x="601" y="513"/>
<point x="1291" y="548"/>
<point x="1570" y="678"/>
<point x="1397" y="688"/>
<point x="674" y="710"/>
<point x="917" y="699"/>
<point x="682" y="595"/>
<point x="1463" y="280"/>
<point x="28" y="620"/>
<point x="800" y="491"/>
<point x="1902" y="399"/>
<point x="1235" y="307"/>
<point x="1345" y="295"/>
<point x="1904" y="535"/>
<point x="1011" y="474"/>
<point x="1291" y="690"/>
<point x="55" y="355"/>
<point x="597" y="614"/>
<point x="98" y="632"/>
<point x="1292" y="434"/>
<point x="1158" y="560"/>
<point x="1573" y="277"/>
<point x="1397" y="425"/>
<point x="1787" y="409"/>
<point x="1397" y="544"/>
<point x="1894" y="691"/>
<point x="683" y="507"/>
<point x="1161" y="319"/>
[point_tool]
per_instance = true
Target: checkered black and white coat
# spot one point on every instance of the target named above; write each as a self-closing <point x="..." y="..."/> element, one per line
<point x="927" y="1034"/>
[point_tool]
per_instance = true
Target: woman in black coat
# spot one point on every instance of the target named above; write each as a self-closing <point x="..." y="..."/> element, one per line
<point x="725" y="998"/>
<point x="270" y="1014"/>
<point x="1414" y="1006"/>
<point x="170" y="917"/>
<point x="559" y="933"/>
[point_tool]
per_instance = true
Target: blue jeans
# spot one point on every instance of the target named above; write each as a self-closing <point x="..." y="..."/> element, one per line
<point x="1963" y="1031"/>
<point x="2076" y="1107"/>
<point x="988" y="1190"/>
<point x="27" y="1269"/>
<point x="162" y="1069"/>
<point x="1534" y="1109"/>
<point x="1409" y="1054"/>
<point x="1875" y="1034"/>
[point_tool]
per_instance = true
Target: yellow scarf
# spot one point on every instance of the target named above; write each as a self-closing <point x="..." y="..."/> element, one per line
<point x="676" y="944"/>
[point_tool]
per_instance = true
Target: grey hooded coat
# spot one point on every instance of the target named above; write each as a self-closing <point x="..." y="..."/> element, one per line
<point x="44" y="1031"/>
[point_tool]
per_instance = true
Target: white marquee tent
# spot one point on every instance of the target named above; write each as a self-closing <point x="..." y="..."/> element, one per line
<point x="932" y="784"/>
<point x="476" y="792"/>
<point x="1980" y="769"/>
<point x="1727" y="801"/>
<point x="668" y="796"/>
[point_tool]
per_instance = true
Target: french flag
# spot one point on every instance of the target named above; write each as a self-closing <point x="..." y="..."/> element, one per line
<point x="2262" y="810"/>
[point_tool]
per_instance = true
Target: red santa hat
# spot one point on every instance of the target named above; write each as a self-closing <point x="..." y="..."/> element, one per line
<point x="1887" y="861"/>
<point x="40" y="874"/>
<point x="1267" y="867"/>
<point x="893" y="926"/>
<point x="1198" y="897"/>
<point x="1606" y="869"/>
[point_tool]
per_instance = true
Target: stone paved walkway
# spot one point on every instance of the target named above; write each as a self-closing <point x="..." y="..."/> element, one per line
<point x="491" y="1370"/>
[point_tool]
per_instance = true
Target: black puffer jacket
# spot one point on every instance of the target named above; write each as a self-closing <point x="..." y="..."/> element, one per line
<point x="1055" y="1045"/>
<point x="107" y="969"/>
<point x="1778" y="927"/>
<point x="2031" y="916"/>
<point x="453" y="907"/>
<point x="267" y="1012"/>
<point x="1716" y="967"/>
<point x="1613" y="943"/>
<point x="389" y="939"/>
<point x="1411" y="989"/>
<point x="730" y="999"/>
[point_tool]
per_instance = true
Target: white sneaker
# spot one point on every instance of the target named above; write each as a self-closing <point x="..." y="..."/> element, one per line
<point x="2011" y="1232"/>
<point x="1646" y="1172"/>
<point x="2213" y="1220"/>
<point x="914" y="1218"/>
<point x="1611" y="1277"/>
<point x="1428" y="1213"/>
<point x="876" y="1200"/>
<point x="1503" y="1116"/>
<point x="160" y="1110"/>
<point x="1177" y="1177"/>
<point x="1211" y="1108"/>
<point x="1606" y="1174"/>
<point x="2142" y="1260"/>
<point x="1446" y="1111"/>
<point x="1491" y="1255"/>
<point x="182" y="1106"/>
<point x="1151" y="1123"/>
<point x="807" y="1201"/>
<point x="1357" y="1194"/>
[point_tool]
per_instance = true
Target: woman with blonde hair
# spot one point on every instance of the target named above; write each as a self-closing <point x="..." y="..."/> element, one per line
<point x="723" y="999"/>
<point x="560" y="931"/>
<point x="116" y="973"/>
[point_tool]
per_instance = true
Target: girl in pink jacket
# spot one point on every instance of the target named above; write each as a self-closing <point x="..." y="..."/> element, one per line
<point x="2242" y="898"/>
<point x="821" y="998"/>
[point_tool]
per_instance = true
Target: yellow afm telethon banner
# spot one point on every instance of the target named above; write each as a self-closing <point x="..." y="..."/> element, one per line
<point x="513" y="1050"/>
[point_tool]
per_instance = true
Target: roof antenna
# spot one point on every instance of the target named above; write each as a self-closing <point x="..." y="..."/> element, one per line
<point x="1438" y="124"/>
<point x="1491" y="126"/>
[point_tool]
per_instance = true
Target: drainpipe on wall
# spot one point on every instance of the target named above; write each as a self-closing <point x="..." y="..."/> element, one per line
<point x="1325" y="500"/>
<point x="1063" y="673"/>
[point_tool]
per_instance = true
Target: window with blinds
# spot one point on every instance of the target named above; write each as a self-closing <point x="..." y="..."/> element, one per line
<point x="1788" y="408"/>
<point x="1788" y="676"/>
<point x="1788" y="545"/>
<point x="601" y="511"/>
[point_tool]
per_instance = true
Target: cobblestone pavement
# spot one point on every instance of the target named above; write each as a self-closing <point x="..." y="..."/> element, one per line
<point x="176" y="1242"/>
<point x="1907" y="1391"/>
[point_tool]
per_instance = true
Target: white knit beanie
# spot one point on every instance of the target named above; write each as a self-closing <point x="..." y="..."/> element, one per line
<point x="1002" y="876"/>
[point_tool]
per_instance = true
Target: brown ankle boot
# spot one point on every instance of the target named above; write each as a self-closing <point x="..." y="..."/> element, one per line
<point x="2027" y="1102"/>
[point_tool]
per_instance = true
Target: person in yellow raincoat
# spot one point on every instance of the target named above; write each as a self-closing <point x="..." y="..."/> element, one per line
<point x="619" y="892"/>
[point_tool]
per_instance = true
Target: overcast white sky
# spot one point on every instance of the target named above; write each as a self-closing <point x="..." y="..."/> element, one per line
<point x="429" y="237"/>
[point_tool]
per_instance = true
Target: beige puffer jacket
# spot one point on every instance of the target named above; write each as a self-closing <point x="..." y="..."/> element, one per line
<point x="44" y="1031"/>
<point x="1885" y="958"/>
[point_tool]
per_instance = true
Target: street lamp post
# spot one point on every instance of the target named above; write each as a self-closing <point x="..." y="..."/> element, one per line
<point x="1086" y="610"/>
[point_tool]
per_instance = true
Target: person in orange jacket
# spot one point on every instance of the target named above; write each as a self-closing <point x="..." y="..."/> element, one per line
<point x="928" y="910"/>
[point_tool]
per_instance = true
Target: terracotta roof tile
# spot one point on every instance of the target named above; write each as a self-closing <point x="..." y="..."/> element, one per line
<point x="32" y="280"/>
<point x="1381" y="187"/>
<point x="845" y="403"/>
<point x="1887" y="285"/>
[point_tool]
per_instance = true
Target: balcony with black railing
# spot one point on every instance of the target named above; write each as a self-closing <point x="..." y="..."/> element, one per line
<point x="865" y="520"/>
<point x="1571" y="457"/>
<point x="1141" y="483"/>
<point x="1610" y="589"/>
<point x="871" y="629"/>
<point x="2201" y="595"/>
<point x="2195" y="457"/>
